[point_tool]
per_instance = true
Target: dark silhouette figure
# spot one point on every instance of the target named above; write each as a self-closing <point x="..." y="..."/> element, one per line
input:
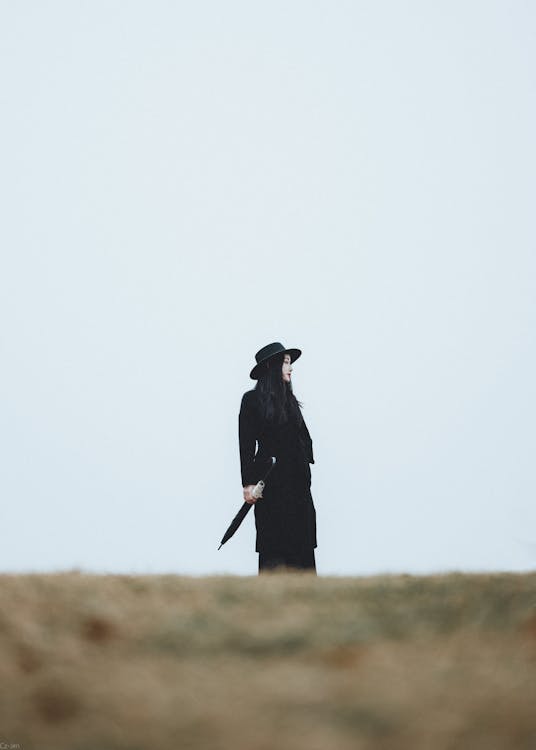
<point x="271" y="420"/>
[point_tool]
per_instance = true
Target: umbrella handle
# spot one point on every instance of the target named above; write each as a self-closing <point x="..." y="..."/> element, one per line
<point x="257" y="490"/>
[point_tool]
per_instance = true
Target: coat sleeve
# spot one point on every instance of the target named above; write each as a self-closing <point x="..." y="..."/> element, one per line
<point x="247" y="438"/>
<point x="308" y="443"/>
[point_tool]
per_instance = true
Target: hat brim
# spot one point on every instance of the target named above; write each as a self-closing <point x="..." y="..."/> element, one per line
<point x="294" y="355"/>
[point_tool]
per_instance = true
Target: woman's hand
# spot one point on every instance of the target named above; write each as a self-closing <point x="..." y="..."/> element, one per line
<point x="248" y="497"/>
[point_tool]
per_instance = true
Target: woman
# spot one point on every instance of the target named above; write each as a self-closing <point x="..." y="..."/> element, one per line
<point x="270" y="415"/>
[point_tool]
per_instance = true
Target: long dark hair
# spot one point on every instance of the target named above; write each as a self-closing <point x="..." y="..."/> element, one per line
<point x="278" y="404"/>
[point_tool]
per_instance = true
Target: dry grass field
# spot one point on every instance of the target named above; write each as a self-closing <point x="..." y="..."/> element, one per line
<point x="276" y="662"/>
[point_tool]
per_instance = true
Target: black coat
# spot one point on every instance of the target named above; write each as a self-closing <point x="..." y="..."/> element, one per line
<point x="285" y="517"/>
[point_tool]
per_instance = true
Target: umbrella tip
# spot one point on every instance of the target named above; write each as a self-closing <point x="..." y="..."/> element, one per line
<point x="221" y="545"/>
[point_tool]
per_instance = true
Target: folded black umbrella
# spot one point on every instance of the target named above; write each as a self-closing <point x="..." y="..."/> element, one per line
<point x="244" y="510"/>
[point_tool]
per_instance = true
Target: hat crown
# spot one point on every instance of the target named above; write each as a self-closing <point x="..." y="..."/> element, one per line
<point x="269" y="350"/>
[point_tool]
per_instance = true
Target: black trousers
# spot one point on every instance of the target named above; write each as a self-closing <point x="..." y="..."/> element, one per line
<point x="298" y="561"/>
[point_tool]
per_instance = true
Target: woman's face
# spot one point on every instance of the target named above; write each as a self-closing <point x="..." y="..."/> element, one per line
<point x="287" y="368"/>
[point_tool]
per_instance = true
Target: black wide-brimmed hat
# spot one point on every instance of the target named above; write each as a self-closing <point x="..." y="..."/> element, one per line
<point x="269" y="351"/>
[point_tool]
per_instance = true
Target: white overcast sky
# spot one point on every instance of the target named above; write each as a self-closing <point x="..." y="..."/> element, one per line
<point x="184" y="182"/>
